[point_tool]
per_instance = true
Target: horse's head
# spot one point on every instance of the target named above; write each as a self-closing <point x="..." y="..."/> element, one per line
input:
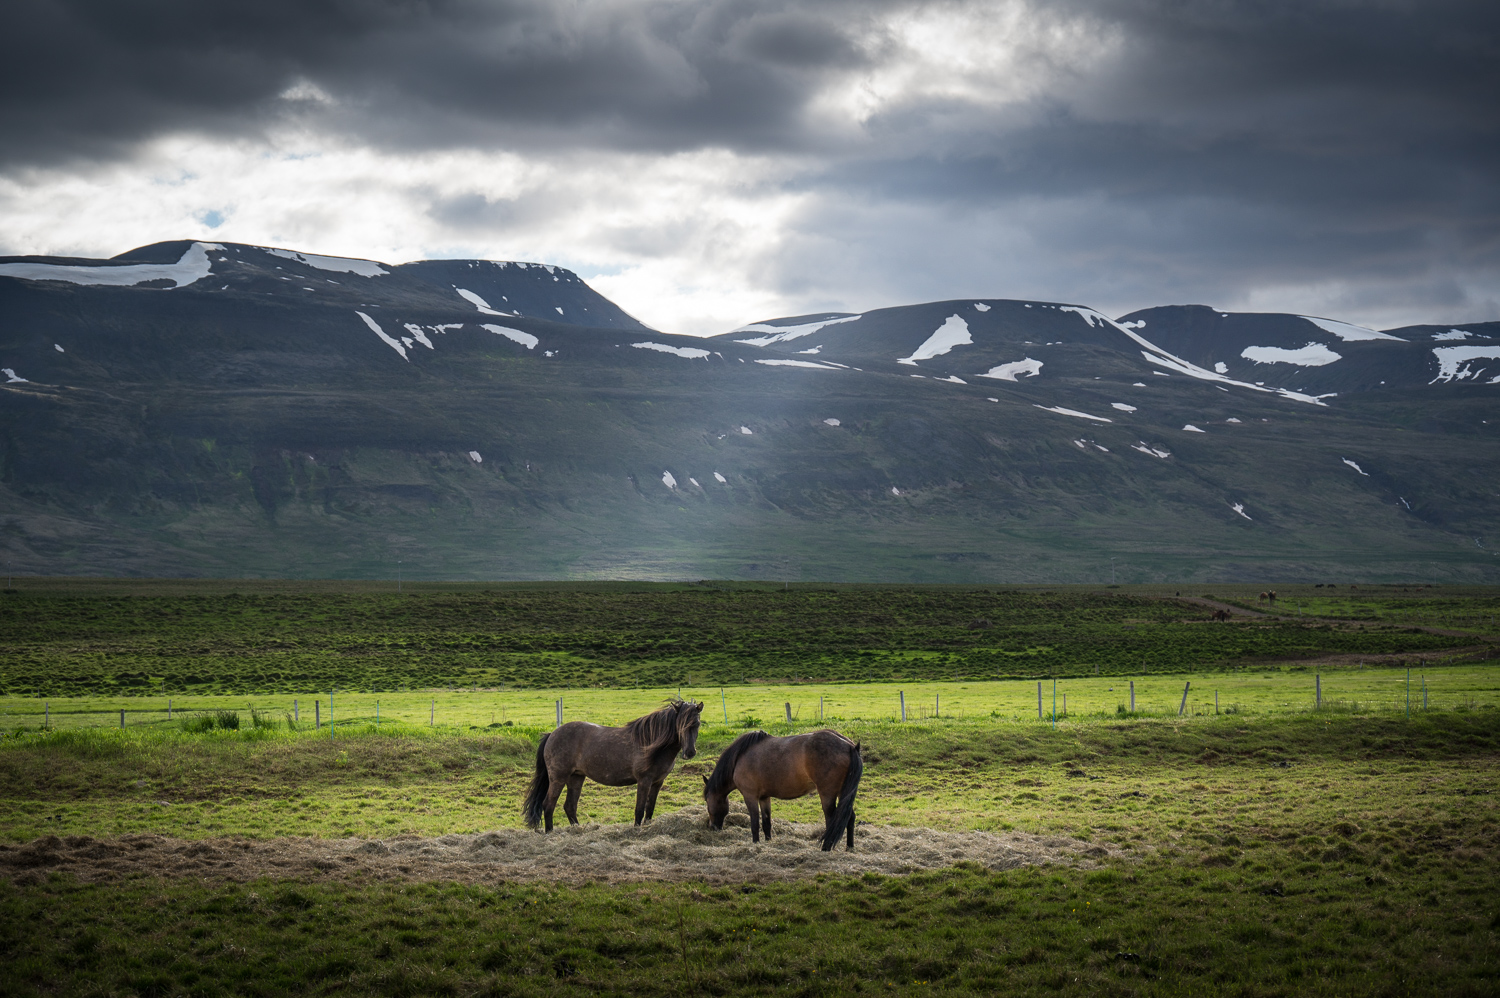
<point x="718" y="805"/>
<point x="689" y="715"/>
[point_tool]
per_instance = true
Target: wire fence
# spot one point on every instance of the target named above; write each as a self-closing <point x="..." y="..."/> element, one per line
<point x="791" y="706"/>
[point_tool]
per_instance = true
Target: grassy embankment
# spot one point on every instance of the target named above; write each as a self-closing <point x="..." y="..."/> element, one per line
<point x="1364" y="864"/>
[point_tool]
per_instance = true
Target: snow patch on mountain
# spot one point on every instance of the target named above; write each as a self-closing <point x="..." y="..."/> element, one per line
<point x="525" y="339"/>
<point x="796" y="363"/>
<point x="1348" y="331"/>
<point x="690" y="353"/>
<point x="1190" y="428"/>
<point x="1453" y="362"/>
<point x="1122" y="407"/>
<point x="980" y="306"/>
<point x="832" y="422"/>
<point x="12" y="378"/>
<point x="392" y="343"/>
<point x="1311" y="355"/>
<point x="419" y="335"/>
<point x="336" y="264"/>
<point x="1356" y="467"/>
<point x="193" y="266"/>
<point x="1239" y="508"/>
<point x="1071" y="412"/>
<point x="954" y="332"/>
<point x="1146" y="448"/>
<point x="721" y="478"/>
<point x="1016" y="368"/>
<point x="474" y="456"/>
<point x="477" y="301"/>
<point x="1453" y="334"/>
<point x="780" y="334"/>
<point x="668" y="480"/>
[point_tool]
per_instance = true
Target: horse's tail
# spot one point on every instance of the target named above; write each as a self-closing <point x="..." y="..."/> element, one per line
<point x="844" y="815"/>
<point x="537" y="795"/>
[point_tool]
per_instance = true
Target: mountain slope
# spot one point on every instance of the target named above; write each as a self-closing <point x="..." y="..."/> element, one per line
<point x="209" y="414"/>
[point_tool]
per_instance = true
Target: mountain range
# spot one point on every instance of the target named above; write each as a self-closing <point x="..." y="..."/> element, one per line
<point x="195" y="408"/>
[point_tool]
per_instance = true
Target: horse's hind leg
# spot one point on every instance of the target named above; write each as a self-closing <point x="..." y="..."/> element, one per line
<point x="550" y="804"/>
<point x="765" y="816"/>
<point x="754" y="810"/>
<point x="570" y="803"/>
<point x="830" y="808"/>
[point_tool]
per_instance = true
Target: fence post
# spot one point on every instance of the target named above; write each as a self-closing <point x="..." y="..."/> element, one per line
<point x="723" y="702"/>
<point x="1318" y="691"/>
<point x="820" y="709"/>
<point x="122" y="717"/>
<point x="1183" y="706"/>
<point x="1065" y="705"/>
<point x="1039" y="714"/>
<point x="937" y="704"/>
<point x="169" y="708"/>
<point x="432" y="713"/>
<point x="1424" y="692"/>
<point x="788" y="706"/>
<point x="1132" y="696"/>
<point x="1054" y="703"/>
<point x="1408" y="694"/>
<point x="902" y="695"/>
<point x="558" y="706"/>
<point x="1216" y="702"/>
<point x="317" y="714"/>
<point x="330" y="714"/>
<point x="377" y="712"/>
<point x="295" y="717"/>
<point x="47" y="716"/>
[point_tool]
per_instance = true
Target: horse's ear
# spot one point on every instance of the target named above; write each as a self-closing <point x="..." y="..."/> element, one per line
<point x="705" y="781"/>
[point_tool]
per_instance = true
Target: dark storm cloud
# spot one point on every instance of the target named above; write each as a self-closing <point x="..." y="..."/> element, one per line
<point x="90" y="77"/>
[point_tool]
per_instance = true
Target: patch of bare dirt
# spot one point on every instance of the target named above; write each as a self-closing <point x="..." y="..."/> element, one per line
<point x="676" y="846"/>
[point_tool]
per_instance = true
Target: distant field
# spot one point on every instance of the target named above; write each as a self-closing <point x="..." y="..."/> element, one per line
<point x="70" y="638"/>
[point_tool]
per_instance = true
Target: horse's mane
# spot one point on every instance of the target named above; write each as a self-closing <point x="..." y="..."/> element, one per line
<point x="722" y="780"/>
<point x="659" y="726"/>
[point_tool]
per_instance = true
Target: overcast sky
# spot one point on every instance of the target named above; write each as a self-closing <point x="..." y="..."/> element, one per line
<point x="707" y="164"/>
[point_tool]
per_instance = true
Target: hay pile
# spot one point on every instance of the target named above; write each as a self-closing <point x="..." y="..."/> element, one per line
<point x="676" y="846"/>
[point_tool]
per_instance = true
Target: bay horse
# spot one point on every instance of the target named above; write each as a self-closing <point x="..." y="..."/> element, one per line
<point x="761" y="767"/>
<point x="642" y="752"/>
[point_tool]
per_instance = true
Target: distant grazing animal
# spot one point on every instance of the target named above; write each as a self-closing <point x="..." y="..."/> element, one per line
<point x="1271" y="595"/>
<point x="761" y="767"/>
<point x="642" y="752"/>
<point x="1264" y="597"/>
<point x="1221" y="614"/>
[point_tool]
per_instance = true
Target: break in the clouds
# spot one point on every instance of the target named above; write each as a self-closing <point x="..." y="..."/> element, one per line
<point x="710" y="163"/>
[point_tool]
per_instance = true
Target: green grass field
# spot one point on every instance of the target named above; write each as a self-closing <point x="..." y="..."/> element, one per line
<point x="1273" y="848"/>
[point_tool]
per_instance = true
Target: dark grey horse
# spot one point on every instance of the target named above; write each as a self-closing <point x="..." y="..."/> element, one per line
<point x="643" y="752"/>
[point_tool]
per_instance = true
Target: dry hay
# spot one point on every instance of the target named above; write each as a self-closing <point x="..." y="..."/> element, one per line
<point x="674" y="847"/>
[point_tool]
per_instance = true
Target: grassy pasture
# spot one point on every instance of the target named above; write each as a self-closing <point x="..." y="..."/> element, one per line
<point x="1325" y="854"/>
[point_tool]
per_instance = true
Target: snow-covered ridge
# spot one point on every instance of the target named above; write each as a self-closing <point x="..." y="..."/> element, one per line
<point x="780" y="334"/>
<point x="1156" y="355"/>
<point x="1348" y="331"/>
<point x="477" y="301"/>
<point x="796" y="363"/>
<point x="525" y="339"/>
<point x="336" y="264"/>
<point x="193" y="266"/>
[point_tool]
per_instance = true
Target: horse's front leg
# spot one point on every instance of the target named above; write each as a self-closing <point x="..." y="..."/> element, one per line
<point x="651" y="801"/>
<point x="642" y="794"/>
<point x="765" y="813"/>
<point x="754" y="809"/>
<point x="570" y="804"/>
